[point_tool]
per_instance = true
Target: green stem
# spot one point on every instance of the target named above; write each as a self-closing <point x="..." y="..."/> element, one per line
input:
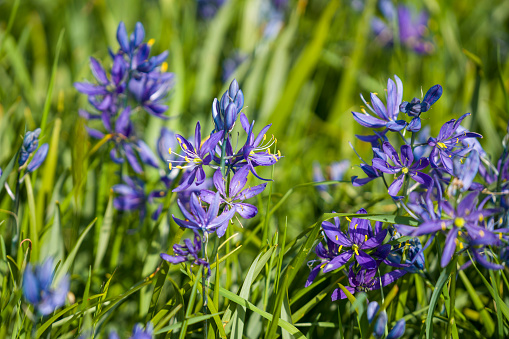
<point x="452" y="295"/>
<point x="223" y="156"/>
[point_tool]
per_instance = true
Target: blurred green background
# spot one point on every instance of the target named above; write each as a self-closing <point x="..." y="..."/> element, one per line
<point x="305" y="79"/>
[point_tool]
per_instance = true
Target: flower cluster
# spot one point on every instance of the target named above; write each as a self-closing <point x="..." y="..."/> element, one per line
<point x="135" y="82"/>
<point x="209" y="211"/>
<point x="445" y="198"/>
<point x="364" y="249"/>
<point x="431" y="179"/>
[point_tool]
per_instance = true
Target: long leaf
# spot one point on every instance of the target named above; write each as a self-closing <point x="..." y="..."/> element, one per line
<point x="64" y="268"/>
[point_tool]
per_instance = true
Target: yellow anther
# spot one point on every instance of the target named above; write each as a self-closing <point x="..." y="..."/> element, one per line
<point x="151" y="42"/>
<point x="169" y="166"/>
<point x="443" y="226"/>
<point x="459" y="233"/>
<point x="355" y="227"/>
<point x="179" y="167"/>
<point x="481" y="233"/>
<point x="339" y="249"/>
<point x="500" y="220"/>
<point x="187" y="159"/>
<point x="164" y="66"/>
<point x="375" y="93"/>
<point x="404" y="170"/>
<point x="441" y="145"/>
<point x="275" y="140"/>
<point x="456" y="241"/>
<point x="365" y="238"/>
<point x="268" y="151"/>
<point x="461" y="245"/>
<point x="481" y="217"/>
<point x="337" y="238"/>
<point x="349" y="220"/>
<point x="459" y="222"/>
<point x="500" y="235"/>
<point x="252" y="153"/>
<point x="264" y="137"/>
<point x="161" y="193"/>
<point x="197" y="160"/>
<point x="275" y="157"/>
<point x="169" y="150"/>
<point x="278" y="153"/>
<point x="363" y="111"/>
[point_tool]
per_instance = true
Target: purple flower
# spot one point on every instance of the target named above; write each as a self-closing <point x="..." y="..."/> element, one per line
<point x="360" y="237"/>
<point x="465" y="218"/>
<point x="405" y="165"/>
<point x="386" y="116"/>
<point x="364" y="280"/>
<point x="131" y="197"/>
<point x="254" y="154"/>
<point x="189" y="252"/>
<point x="233" y="199"/>
<point x="140" y="333"/>
<point x="151" y="89"/>
<point x="416" y="107"/>
<point x="412" y="253"/>
<point x="38" y="291"/>
<point x="411" y="27"/>
<point x="447" y="141"/>
<point x="195" y="156"/>
<point x="201" y="220"/>
<point x="465" y="170"/>
<point x="381" y="322"/>
<point x="38" y="158"/>
<point x="326" y="255"/>
<point x="225" y="112"/>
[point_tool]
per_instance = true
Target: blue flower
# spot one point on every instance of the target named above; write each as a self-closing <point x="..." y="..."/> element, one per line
<point x="381" y="322"/>
<point x="386" y="116"/>
<point x="448" y="144"/>
<point x="30" y="144"/>
<point x="234" y="198"/>
<point x="405" y="165"/>
<point x="131" y="197"/>
<point x="38" y="291"/>
<point x="201" y="220"/>
<point x="363" y="280"/>
<point x="360" y="237"/>
<point x="195" y="156"/>
<point x="416" y="107"/>
<point x="225" y="112"/>
<point x="189" y="252"/>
